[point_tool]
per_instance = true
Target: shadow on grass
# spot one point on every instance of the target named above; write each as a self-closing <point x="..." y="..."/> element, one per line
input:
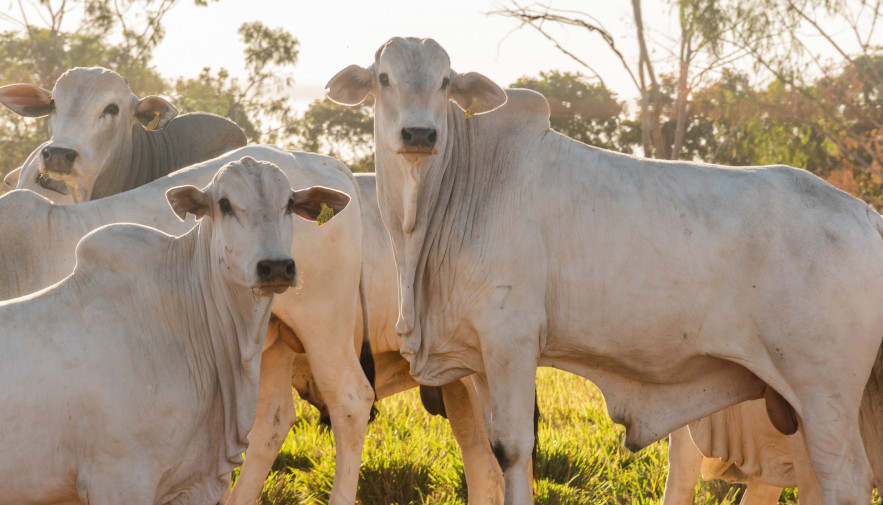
<point x="394" y="481"/>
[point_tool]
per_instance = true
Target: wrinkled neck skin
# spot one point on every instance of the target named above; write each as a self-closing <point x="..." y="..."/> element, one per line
<point x="227" y="325"/>
<point x="430" y="192"/>
<point x="134" y="163"/>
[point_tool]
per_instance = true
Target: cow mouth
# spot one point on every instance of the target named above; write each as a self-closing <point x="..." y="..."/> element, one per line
<point x="417" y="150"/>
<point x="273" y="287"/>
<point x="51" y="184"/>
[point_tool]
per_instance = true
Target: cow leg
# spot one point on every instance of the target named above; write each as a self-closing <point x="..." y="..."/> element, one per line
<point x="348" y="397"/>
<point x="274" y="418"/>
<point x="807" y="485"/>
<point x="761" y="493"/>
<point x="510" y="382"/>
<point x="484" y="479"/>
<point x="684" y="467"/>
<point x="834" y="444"/>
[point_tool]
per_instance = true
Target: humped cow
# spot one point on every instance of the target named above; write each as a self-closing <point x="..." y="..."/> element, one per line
<point x="135" y="379"/>
<point x="106" y="140"/>
<point x="322" y="311"/>
<point x="679" y="288"/>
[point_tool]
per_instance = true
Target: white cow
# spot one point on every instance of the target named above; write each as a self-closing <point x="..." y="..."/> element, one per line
<point x="322" y="311"/>
<point x="135" y="379"/>
<point x="678" y="288"/>
<point x="106" y="140"/>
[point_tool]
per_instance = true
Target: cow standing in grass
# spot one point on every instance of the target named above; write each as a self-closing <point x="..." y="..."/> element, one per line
<point x="135" y="379"/>
<point x="678" y="288"/>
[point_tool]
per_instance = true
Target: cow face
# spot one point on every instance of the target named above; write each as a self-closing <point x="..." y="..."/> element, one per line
<point x="248" y="207"/>
<point x="91" y="114"/>
<point x="412" y="82"/>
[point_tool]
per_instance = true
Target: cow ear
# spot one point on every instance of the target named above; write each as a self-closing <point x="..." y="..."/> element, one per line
<point x="11" y="178"/>
<point x="317" y="203"/>
<point x="351" y="85"/>
<point x="188" y="199"/>
<point x="26" y="100"/>
<point x="475" y="93"/>
<point x="154" y="112"/>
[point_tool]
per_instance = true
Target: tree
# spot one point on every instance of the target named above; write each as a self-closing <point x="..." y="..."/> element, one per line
<point x="259" y="105"/>
<point x="344" y="132"/>
<point x="580" y="109"/>
<point x="119" y="35"/>
<point x="702" y="24"/>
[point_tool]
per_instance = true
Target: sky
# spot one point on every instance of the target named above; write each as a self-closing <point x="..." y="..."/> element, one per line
<point x="335" y="33"/>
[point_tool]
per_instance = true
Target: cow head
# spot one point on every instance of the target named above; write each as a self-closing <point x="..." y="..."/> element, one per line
<point x="412" y="82"/>
<point x="91" y="114"/>
<point x="247" y="209"/>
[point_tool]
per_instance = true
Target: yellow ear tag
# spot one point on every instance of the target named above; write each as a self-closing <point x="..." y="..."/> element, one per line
<point x="153" y="122"/>
<point x="474" y="108"/>
<point x="325" y="214"/>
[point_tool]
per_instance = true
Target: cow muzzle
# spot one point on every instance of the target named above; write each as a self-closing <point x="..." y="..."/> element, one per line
<point x="59" y="160"/>
<point x="418" y="143"/>
<point x="275" y="276"/>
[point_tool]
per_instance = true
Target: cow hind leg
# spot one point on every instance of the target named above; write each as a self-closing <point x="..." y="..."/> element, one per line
<point x="836" y="452"/>
<point x="684" y="467"/>
<point x="760" y="493"/>
<point x="274" y="418"/>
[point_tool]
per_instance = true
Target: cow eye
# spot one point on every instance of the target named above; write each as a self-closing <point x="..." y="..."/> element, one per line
<point x="112" y="109"/>
<point x="445" y="83"/>
<point x="225" y="206"/>
<point x="290" y="207"/>
<point x="384" y="80"/>
<point x="52" y="104"/>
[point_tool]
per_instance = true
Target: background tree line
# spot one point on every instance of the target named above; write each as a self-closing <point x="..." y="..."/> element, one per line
<point x="740" y="88"/>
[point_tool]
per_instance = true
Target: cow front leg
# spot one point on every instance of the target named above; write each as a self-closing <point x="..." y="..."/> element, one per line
<point x="274" y="418"/>
<point x="510" y="382"/>
<point x="484" y="479"/>
<point x="348" y="397"/>
<point x="684" y="467"/>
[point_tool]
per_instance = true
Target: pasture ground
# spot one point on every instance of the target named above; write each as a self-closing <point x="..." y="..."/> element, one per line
<point x="411" y="457"/>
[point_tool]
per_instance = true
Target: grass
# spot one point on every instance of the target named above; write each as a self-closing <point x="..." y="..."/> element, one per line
<point x="410" y="457"/>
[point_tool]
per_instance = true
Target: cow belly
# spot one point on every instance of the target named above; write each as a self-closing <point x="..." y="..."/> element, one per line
<point x="651" y="410"/>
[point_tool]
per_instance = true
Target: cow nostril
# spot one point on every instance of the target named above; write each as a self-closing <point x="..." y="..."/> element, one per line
<point x="70" y="157"/>
<point x="407" y="138"/>
<point x="289" y="270"/>
<point x="264" y="270"/>
<point x="431" y="137"/>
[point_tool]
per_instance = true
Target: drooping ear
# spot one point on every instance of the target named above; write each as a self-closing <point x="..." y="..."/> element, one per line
<point x="351" y="85"/>
<point x="26" y="100"/>
<point x="476" y="93"/>
<point x="188" y="199"/>
<point x="11" y="178"/>
<point x="308" y="203"/>
<point x="154" y="112"/>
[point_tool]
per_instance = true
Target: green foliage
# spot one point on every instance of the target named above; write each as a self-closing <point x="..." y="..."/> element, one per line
<point x="580" y="109"/>
<point x="344" y="132"/>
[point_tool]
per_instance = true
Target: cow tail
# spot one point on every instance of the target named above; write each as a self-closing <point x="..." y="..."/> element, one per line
<point x="871" y="409"/>
<point x="871" y="418"/>
<point x="366" y="357"/>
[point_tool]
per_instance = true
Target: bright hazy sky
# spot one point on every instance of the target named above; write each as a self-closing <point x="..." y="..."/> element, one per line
<point x="337" y="33"/>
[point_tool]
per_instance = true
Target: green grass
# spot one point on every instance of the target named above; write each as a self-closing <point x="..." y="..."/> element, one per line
<point x="410" y="457"/>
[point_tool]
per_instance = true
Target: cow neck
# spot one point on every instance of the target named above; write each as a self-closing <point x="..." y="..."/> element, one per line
<point x="227" y="327"/>
<point x="452" y="185"/>
<point x="134" y="163"/>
